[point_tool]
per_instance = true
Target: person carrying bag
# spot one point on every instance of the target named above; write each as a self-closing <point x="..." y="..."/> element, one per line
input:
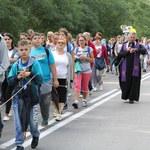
<point x="99" y="63"/>
<point x="102" y="57"/>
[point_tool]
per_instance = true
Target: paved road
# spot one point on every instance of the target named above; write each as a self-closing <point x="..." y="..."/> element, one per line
<point x="108" y="123"/>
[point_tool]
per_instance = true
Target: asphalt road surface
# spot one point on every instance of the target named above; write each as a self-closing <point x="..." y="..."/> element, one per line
<point x="107" y="123"/>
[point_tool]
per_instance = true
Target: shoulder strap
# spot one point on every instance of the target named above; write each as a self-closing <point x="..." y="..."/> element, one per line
<point x="47" y="53"/>
<point x="77" y="49"/>
<point x="69" y="47"/>
<point x="89" y="50"/>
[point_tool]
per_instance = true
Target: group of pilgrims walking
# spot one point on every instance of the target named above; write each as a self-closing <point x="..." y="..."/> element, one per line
<point x="42" y="70"/>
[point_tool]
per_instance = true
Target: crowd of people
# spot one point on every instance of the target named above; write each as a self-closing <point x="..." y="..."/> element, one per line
<point x="41" y="64"/>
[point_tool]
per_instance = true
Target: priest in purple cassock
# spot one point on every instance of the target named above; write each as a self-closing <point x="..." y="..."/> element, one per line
<point x="130" y="68"/>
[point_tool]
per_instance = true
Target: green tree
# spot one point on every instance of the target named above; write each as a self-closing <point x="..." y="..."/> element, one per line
<point x="76" y="15"/>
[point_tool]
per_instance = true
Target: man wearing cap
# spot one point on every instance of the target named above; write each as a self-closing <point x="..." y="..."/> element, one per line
<point x="130" y="68"/>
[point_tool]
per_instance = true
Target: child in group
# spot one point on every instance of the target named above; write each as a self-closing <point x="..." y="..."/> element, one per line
<point x="22" y="71"/>
<point x="47" y="63"/>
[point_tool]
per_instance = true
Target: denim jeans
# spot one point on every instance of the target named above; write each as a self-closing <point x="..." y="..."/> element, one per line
<point x="19" y="138"/>
<point x="96" y="76"/>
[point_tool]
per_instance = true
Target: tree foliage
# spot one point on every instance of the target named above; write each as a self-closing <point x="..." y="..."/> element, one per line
<point x="76" y="15"/>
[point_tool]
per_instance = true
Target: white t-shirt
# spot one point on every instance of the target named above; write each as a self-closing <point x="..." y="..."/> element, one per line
<point x="10" y="53"/>
<point x="61" y="62"/>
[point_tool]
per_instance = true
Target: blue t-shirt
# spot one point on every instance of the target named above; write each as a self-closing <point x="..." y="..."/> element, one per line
<point x="41" y="56"/>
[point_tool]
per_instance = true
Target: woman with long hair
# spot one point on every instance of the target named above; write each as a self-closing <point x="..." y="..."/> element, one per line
<point x="84" y="56"/>
<point x="13" y="56"/>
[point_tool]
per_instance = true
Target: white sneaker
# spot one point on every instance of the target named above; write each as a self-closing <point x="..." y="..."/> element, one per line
<point x="90" y="92"/>
<point x="101" y="87"/>
<point x="58" y="117"/>
<point x="84" y="103"/>
<point x="69" y="94"/>
<point x="95" y="89"/>
<point x="54" y="114"/>
<point x="6" y="118"/>
<point x="10" y="113"/>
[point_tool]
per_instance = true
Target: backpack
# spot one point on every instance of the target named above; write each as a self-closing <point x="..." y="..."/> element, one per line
<point x="69" y="47"/>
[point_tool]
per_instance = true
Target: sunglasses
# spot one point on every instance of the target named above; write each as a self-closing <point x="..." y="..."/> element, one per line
<point x="60" y="42"/>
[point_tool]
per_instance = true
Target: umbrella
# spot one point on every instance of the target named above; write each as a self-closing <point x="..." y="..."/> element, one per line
<point x="55" y="98"/>
<point x="24" y="107"/>
<point x="78" y="68"/>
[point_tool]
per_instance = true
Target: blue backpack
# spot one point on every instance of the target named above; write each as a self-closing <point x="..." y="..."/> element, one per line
<point x="69" y="48"/>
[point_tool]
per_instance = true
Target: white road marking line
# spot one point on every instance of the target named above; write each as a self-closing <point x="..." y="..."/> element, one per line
<point x="106" y="94"/>
<point x="11" y="142"/>
<point x="62" y="123"/>
<point x="145" y="78"/>
<point x="145" y="75"/>
<point x="73" y="117"/>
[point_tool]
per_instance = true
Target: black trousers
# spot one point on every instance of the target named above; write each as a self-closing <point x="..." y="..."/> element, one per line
<point x="6" y="94"/>
<point x="62" y="90"/>
<point x="1" y="124"/>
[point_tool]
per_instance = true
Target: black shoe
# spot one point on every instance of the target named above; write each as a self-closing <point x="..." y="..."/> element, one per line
<point x="131" y="101"/>
<point x="65" y="106"/>
<point x="20" y="148"/>
<point x="34" y="142"/>
<point x="75" y="105"/>
<point x="144" y="70"/>
<point x="1" y="102"/>
<point x="107" y="70"/>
